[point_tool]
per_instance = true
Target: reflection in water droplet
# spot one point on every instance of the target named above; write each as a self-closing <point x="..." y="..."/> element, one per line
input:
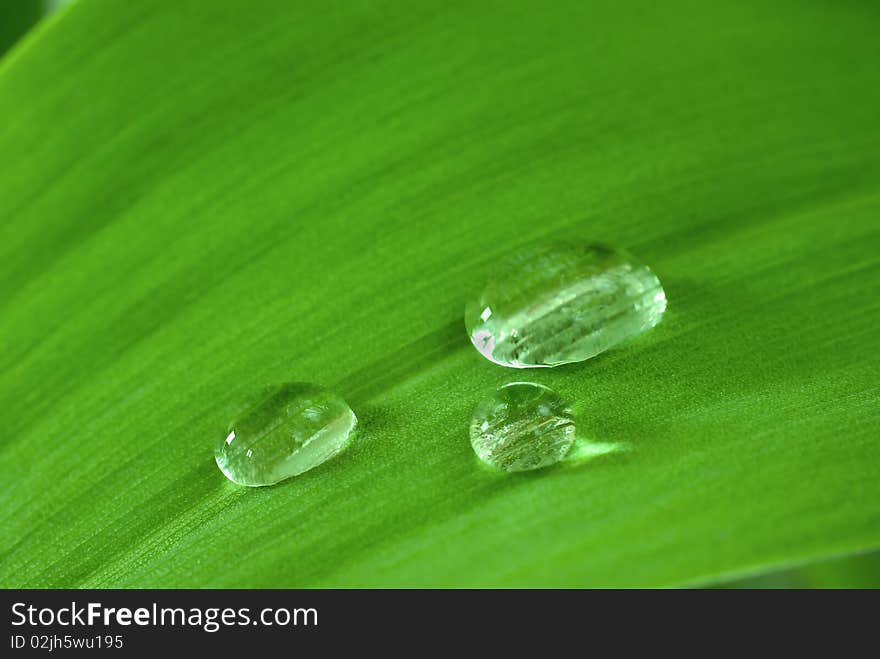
<point x="558" y="304"/>
<point x="522" y="426"/>
<point x="293" y="428"/>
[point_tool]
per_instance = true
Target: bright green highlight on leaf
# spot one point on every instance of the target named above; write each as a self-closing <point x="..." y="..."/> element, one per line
<point x="562" y="303"/>
<point x="292" y="428"/>
<point x="196" y="202"/>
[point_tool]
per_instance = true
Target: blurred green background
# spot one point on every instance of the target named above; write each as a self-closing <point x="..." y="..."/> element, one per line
<point x="201" y="198"/>
<point x="16" y="18"/>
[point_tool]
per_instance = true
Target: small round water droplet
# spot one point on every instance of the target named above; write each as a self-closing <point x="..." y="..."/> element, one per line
<point x="522" y="426"/>
<point x="558" y="304"/>
<point x="291" y="429"/>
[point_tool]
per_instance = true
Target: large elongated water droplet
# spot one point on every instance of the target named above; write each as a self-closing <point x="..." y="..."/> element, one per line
<point x="291" y="429"/>
<point x="522" y="426"/>
<point x="558" y="304"/>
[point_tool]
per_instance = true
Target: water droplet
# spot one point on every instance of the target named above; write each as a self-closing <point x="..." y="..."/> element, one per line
<point x="290" y="429"/>
<point x="522" y="426"/>
<point x="559" y="304"/>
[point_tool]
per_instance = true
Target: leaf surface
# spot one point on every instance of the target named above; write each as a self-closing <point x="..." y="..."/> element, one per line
<point x="197" y="201"/>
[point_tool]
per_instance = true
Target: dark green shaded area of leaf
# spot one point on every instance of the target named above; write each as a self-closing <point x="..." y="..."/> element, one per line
<point x="16" y="18"/>
<point x="198" y="202"/>
<point x="862" y="571"/>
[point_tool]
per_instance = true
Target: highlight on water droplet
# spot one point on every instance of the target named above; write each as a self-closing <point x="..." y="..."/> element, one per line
<point x="522" y="426"/>
<point x="292" y="428"/>
<point x="562" y="303"/>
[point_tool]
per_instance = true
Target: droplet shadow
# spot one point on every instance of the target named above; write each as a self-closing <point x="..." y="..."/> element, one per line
<point x="373" y="418"/>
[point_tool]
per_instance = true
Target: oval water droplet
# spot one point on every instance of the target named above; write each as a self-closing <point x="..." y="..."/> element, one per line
<point x="294" y="427"/>
<point x="522" y="426"/>
<point x="559" y="304"/>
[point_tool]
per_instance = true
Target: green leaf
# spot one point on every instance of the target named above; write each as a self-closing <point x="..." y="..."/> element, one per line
<point x="16" y="18"/>
<point x="858" y="571"/>
<point x="197" y="201"/>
